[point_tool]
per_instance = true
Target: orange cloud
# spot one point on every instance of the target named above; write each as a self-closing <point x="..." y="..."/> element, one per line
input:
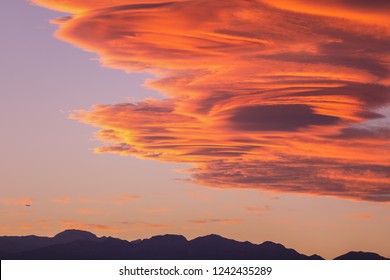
<point x="4" y="228"/>
<point x="197" y="194"/>
<point x="359" y="216"/>
<point x="71" y="224"/>
<point x="271" y="95"/>
<point x="16" y="201"/>
<point x="125" y="198"/>
<point x="359" y="10"/>
<point x="115" y="199"/>
<point x="258" y="210"/>
<point x="76" y="6"/>
<point x="43" y="224"/>
<point x="217" y="221"/>
<point x="86" y="211"/>
<point x="145" y="226"/>
<point x="26" y="226"/>
<point x="61" y="200"/>
<point x="159" y="210"/>
<point x="99" y="227"/>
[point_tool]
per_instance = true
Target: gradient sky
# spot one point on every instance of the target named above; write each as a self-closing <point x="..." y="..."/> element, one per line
<point x="249" y="119"/>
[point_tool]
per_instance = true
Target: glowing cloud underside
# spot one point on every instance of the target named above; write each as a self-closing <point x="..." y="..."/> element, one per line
<point x="258" y="95"/>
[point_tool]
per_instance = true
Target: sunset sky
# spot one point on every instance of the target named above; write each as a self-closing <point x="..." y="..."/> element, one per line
<point x="256" y="120"/>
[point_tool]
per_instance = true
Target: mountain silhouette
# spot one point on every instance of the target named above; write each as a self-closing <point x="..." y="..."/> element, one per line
<point x="217" y="247"/>
<point x="73" y="235"/>
<point x="83" y="245"/>
<point x="16" y="244"/>
<point x="360" y="256"/>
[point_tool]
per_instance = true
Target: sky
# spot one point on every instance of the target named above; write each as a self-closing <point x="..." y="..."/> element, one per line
<point x="254" y="120"/>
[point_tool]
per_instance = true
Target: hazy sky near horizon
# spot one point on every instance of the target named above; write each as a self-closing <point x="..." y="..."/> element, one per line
<point x="249" y="119"/>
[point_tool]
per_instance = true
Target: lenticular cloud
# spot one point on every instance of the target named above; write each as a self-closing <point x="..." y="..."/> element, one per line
<point x="258" y="95"/>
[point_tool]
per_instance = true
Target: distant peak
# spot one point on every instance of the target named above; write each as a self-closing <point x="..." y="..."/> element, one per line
<point x="316" y="257"/>
<point x="213" y="236"/>
<point x="169" y="237"/>
<point x="75" y="234"/>
<point x="270" y="243"/>
<point x="360" y="256"/>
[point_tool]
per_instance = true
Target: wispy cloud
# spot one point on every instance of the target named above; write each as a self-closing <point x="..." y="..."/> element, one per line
<point x="359" y="216"/>
<point x="125" y="198"/>
<point x="87" y="211"/>
<point x="120" y="199"/>
<point x="72" y="224"/>
<point x="271" y="95"/>
<point x="259" y="210"/>
<point x="61" y="200"/>
<point x="16" y="201"/>
<point x="197" y="194"/>
<point x="4" y="228"/>
<point x="26" y="226"/>
<point x="159" y="210"/>
<point x="43" y="224"/>
<point x="216" y="221"/>
<point x="144" y="226"/>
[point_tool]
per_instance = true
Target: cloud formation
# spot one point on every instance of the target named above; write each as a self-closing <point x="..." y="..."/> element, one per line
<point x="259" y="210"/>
<point x="271" y="95"/>
<point x="16" y="201"/>
<point x="216" y="221"/>
<point x="121" y="199"/>
<point x="67" y="224"/>
<point x="62" y="200"/>
<point x="359" y="216"/>
<point x="144" y="226"/>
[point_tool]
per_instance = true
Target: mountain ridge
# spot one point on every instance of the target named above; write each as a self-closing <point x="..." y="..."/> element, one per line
<point x="75" y="244"/>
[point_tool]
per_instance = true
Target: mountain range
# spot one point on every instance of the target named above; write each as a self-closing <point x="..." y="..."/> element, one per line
<point x="82" y="245"/>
